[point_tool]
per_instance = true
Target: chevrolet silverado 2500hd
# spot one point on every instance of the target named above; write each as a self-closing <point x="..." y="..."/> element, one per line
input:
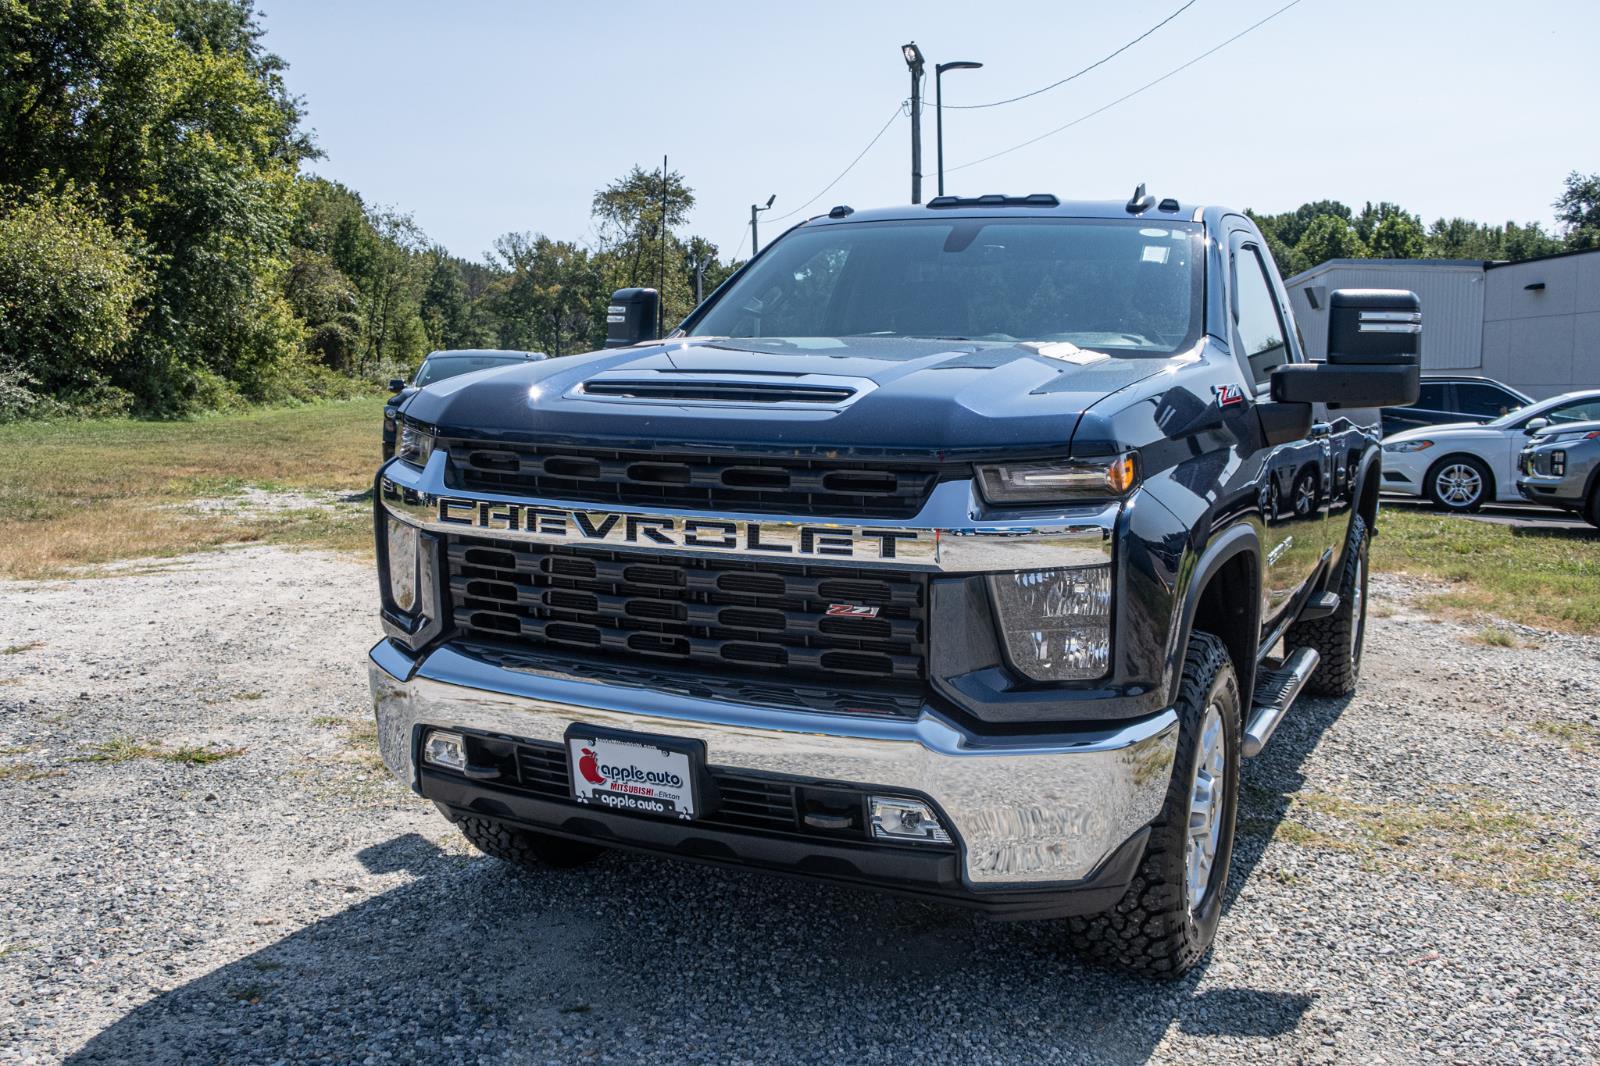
<point x="960" y="550"/>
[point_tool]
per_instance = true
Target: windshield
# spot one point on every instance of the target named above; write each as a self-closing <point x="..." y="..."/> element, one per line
<point x="439" y="367"/>
<point x="1112" y="285"/>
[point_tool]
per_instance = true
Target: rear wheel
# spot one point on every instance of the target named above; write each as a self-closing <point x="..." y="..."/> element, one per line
<point x="1591" y="509"/>
<point x="1168" y="917"/>
<point x="501" y="841"/>
<point x="1460" y="483"/>
<point x="1340" y="637"/>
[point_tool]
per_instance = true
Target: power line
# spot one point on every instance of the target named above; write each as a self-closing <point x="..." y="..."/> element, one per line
<point x="1127" y="96"/>
<point x="1079" y="74"/>
<point x="875" y="139"/>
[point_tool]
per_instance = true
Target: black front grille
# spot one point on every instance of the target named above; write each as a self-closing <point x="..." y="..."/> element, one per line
<point x="727" y="613"/>
<point x="701" y="481"/>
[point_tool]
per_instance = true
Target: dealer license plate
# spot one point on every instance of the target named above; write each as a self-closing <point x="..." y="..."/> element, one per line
<point x="634" y="772"/>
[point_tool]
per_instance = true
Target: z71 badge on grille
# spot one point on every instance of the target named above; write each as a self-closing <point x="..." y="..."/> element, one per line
<point x="774" y="539"/>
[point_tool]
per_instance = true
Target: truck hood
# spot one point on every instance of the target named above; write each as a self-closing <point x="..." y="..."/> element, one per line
<point x="879" y="395"/>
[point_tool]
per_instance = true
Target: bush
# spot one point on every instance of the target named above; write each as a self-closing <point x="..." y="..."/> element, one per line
<point x="71" y="287"/>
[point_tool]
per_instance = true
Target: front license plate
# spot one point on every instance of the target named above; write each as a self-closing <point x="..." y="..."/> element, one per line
<point x="634" y="772"/>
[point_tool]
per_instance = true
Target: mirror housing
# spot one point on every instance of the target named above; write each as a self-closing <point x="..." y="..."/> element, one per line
<point x="1534" y="425"/>
<point x="631" y="317"/>
<point x="397" y="384"/>
<point x="1374" y="354"/>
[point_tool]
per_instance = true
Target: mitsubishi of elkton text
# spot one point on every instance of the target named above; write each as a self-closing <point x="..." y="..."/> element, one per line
<point x="959" y="550"/>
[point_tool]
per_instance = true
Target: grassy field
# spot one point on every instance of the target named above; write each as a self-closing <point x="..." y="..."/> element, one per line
<point x="87" y="493"/>
<point x="84" y="493"/>
<point x="1542" y="578"/>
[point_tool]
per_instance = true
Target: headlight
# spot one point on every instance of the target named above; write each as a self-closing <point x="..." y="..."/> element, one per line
<point x="1408" y="446"/>
<point x="402" y="552"/>
<point x="1056" y="623"/>
<point x="415" y="444"/>
<point x="1041" y="482"/>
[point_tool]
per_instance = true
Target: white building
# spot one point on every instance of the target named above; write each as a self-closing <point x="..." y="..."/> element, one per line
<point x="1534" y="324"/>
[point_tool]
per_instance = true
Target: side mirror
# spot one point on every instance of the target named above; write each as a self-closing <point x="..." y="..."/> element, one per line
<point x="1534" y="425"/>
<point x="631" y="317"/>
<point x="397" y="384"/>
<point x="1374" y="354"/>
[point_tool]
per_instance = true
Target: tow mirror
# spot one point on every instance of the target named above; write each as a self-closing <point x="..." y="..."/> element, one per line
<point x="631" y="317"/>
<point x="397" y="384"/>
<point x="1374" y="354"/>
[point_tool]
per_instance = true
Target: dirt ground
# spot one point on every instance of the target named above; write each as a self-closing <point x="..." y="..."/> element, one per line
<point x="205" y="863"/>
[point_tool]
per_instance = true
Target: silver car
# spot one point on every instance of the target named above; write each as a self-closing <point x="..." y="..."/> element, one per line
<point x="1560" y="467"/>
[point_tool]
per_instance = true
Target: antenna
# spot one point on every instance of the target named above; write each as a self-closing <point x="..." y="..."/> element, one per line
<point x="1140" y="201"/>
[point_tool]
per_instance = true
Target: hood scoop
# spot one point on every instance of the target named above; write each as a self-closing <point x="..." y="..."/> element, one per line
<point x="724" y="389"/>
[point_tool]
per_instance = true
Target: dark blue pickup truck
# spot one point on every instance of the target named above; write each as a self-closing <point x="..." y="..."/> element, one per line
<point x="959" y="550"/>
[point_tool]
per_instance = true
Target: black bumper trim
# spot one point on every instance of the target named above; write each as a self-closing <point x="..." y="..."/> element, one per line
<point x="907" y="871"/>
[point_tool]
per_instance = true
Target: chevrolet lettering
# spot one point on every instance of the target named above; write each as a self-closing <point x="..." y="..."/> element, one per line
<point x="960" y="550"/>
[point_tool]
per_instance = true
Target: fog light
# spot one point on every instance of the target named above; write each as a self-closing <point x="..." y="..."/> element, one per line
<point x="1056" y="623"/>
<point x="402" y="551"/>
<point x="444" y="749"/>
<point x="894" y="818"/>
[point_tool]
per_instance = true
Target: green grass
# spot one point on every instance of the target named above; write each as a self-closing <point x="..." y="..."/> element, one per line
<point x="94" y="492"/>
<point x="126" y="749"/>
<point x="1542" y="578"/>
<point x="18" y="649"/>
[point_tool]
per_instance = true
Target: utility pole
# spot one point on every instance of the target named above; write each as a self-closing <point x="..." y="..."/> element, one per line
<point x="913" y="58"/>
<point x="755" y="239"/>
<point x="661" y="301"/>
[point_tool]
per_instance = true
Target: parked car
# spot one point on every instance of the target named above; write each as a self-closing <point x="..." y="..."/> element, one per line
<point x="436" y="367"/>
<point x="1450" y="398"/>
<point x="928" y="554"/>
<point x="1560" y="467"/>
<point x="1461" y="467"/>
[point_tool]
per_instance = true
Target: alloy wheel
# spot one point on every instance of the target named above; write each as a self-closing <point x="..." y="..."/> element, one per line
<point x="1206" y="806"/>
<point x="1459" y="484"/>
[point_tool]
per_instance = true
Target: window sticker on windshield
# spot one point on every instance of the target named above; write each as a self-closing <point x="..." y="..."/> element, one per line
<point x="1155" y="253"/>
<point x="1066" y="352"/>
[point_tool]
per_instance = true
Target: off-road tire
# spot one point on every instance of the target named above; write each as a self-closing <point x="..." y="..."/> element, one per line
<point x="510" y="844"/>
<point x="1591" y="507"/>
<point x="1486" y="491"/>
<point x="1152" y="929"/>
<point x="1340" y="637"/>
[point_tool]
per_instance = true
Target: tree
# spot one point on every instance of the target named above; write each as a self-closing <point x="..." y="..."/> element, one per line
<point x="1578" y="211"/>
<point x="551" y="297"/>
<point x="448" y="315"/>
<point x="1328" y="237"/>
<point x="71" y="292"/>
<point x="635" y="217"/>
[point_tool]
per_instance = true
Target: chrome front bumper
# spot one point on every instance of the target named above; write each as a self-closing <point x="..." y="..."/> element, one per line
<point x="1027" y="811"/>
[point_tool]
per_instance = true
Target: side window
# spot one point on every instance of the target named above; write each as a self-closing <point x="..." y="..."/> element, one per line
<point x="1578" y="411"/>
<point x="1257" y="328"/>
<point x="1431" y="397"/>
<point x="1484" y="401"/>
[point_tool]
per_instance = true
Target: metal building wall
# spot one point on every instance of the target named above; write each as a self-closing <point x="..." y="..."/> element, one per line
<point x="1541" y="329"/>
<point x="1451" y="291"/>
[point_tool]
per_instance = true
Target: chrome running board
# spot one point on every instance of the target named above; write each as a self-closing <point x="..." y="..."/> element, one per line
<point x="1276" y="691"/>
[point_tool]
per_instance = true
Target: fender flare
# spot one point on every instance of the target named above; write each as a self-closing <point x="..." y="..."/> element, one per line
<point x="1222" y="547"/>
<point x="1371" y="467"/>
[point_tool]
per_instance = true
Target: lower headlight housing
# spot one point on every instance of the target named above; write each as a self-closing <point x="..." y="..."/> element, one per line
<point x="1056" y="623"/>
<point x="402" y="552"/>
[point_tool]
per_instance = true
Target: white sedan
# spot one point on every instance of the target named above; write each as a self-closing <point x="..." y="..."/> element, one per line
<point x="1463" y="465"/>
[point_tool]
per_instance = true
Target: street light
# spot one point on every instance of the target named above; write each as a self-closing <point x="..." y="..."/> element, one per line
<point x="913" y="58"/>
<point x="755" y="243"/>
<point x="938" y="107"/>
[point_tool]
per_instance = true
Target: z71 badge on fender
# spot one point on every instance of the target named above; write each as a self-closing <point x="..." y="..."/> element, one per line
<point x="562" y="526"/>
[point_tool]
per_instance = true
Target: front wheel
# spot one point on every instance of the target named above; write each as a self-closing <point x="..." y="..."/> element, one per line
<point x="1165" y="922"/>
<point x="1460" y="483"/>
<point x="520" y="846"/>
<point x="1591" y="509"/>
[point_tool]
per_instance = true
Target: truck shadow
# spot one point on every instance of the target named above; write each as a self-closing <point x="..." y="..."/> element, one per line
<point x="665" y="962"/>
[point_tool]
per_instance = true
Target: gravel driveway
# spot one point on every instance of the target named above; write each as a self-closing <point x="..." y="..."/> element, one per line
<point x="203" y="863"/>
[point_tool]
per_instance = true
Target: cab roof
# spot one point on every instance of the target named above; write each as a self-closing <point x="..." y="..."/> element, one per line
<point x="1000" y="205"/>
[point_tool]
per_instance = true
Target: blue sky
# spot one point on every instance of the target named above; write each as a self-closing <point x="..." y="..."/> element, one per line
<point x="483" y="117"/>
